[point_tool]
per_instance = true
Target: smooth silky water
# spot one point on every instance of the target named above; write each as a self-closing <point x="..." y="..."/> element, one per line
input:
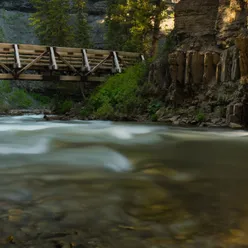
<point x="102" y="184"/>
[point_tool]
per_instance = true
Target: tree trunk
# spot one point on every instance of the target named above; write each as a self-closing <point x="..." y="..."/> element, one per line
<point x="156" y="26"/>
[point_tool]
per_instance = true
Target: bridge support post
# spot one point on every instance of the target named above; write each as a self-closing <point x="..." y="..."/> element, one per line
<point x="82" y="86"/>
<point x="116" y="63"/>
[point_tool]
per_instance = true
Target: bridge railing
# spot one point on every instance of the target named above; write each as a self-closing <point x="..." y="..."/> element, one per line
<point x="35" y="62"/>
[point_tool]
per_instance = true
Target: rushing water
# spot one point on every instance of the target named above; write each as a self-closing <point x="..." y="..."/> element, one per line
<point x="102" y="184"/>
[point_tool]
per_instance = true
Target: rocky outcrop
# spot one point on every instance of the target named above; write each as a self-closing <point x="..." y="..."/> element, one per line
<point x="196" y="18"/>
<point x="216" y="21"/>
<point x="242" y="44"/>
<point x="207" y="72"/>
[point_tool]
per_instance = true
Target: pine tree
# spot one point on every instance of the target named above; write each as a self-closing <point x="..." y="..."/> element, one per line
<point x="117" y="24"/>
<point x="52" y="22"/>
<point x="82" y="28"/>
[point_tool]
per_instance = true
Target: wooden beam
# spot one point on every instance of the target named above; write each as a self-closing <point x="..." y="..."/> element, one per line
<point x="68" y="49"/>
<point x="36" y="77"/>
<point x="21" y="77"/>
<point x="17" y="57"/>
<point x="98" y="65"/>
<point x="6" y="76"/>
<point x="68" y="64"/>
<point x="32" y="47"/>
<point x="116" y="63"/>
<point x="97" y="51"/>
<point x="129" y="54"/>
<point x="31" y="63"/>
<point x="5" y="67"/>
<point x="86" y="65"/>
<point x="6" y="45"/>
<point x="53" y="65"/>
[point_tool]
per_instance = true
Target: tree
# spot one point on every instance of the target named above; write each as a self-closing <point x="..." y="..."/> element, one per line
<point x="53" y="23"/>
<point x="82" y="28"/>
<point x="134" y="25"/>
<point x="117" y="24"/>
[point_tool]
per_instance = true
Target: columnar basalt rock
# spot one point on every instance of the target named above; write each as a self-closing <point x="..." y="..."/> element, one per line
<point x="210" y="62"/>
<point x="242" y="45"/>
<point x="193" y="67"/>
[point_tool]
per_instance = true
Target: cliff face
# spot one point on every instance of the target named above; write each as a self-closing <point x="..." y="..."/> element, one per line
<point x="196" y="18"/>
<point x="209" y="63"/>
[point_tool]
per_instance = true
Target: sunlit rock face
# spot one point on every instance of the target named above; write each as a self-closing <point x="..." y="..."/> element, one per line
<point x="217" y="20"/>
<point x="208" y="69"/>
<point x="232" y="17"/>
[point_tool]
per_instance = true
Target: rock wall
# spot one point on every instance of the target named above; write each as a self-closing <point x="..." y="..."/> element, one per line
<point x="206" y="74"/>
<point x="195" y="18"/>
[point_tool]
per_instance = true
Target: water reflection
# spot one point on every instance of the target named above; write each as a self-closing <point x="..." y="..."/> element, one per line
<point x="101" y="184"/>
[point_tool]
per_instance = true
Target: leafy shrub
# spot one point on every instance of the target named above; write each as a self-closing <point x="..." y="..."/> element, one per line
<point x="41" y="99"/>
<point x="170" y="43"/>
<point x="154" y="117"/>
<point x="19" y="98"/>
<point x="200" y="117"/>
<point x="106" y="111"/>
<point x="4" y="107"/>
<point x="118" y="95"/>
<point x="5" y="87"/>
<point x="64" y="107"/>
<point x="153" y="107"/>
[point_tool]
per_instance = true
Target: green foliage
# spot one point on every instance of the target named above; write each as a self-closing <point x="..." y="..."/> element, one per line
<point x="118" y="96"/>
<point x="106" y="111"/>
<point x="53" y="25"/>
<point x="19" y="98"/>
<point x="200" y="117"/>
<point x="64" y="106"/>
<point x="2" y="36"/>
<point x="134" y="25"/>
<point x="153" y="107"/>
<point x="154" y="118"/>
<point x="4" y="107"/>
<point x="170" y="43"/>
<point x="44" y="100"/>
<point x="5" y="87"/>
<point x="82" y="28"/>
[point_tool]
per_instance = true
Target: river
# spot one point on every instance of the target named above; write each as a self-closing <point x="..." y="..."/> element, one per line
<point x="102" y="184"/>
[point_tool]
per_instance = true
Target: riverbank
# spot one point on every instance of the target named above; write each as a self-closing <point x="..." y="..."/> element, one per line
<point x="180" y="120"/>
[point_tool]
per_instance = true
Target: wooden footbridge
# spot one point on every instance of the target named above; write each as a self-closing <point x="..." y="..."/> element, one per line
<point x="35" y="62"/>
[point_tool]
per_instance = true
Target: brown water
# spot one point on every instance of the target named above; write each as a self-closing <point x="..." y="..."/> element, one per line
<point x="103" y="184"/>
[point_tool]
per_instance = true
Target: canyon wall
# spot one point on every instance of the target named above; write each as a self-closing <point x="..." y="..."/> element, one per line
<point x="208" y="69"/>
